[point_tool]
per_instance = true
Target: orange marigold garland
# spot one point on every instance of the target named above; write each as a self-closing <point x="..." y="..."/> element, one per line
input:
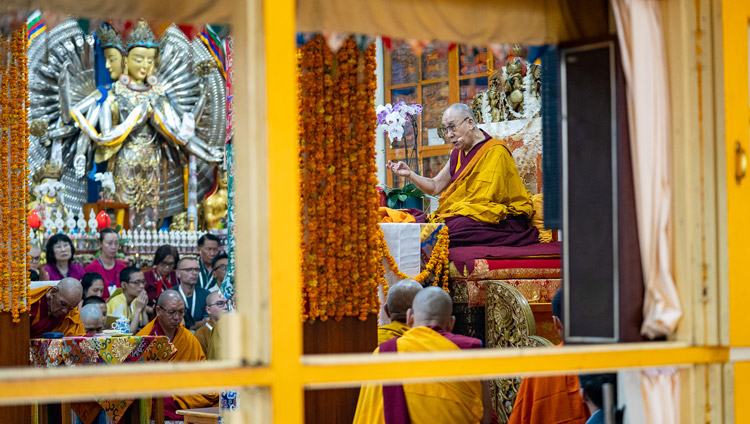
<point x="14" y="142"/>
<point x="5" y="114"/>
<point x="337" y="181"/>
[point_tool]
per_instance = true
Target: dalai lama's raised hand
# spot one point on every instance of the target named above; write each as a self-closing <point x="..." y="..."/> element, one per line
<point x="431" y="186"/>
<point x="399" y="168"/>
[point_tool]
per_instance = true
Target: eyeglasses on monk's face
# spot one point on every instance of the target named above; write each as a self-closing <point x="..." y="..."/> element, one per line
<point x="138" y="282"/>
<point x="222" y="267"/>
<point x="173" y="312"/>
<point x="219" y="303"/>
<point x="451" y="127"/>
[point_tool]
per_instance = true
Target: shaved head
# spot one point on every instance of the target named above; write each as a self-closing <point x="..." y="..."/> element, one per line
<point x="431" y="306"/>
<point x="167" y="297"/>
<point x="213" y="297"/>
<point x="70" y="286"/>
<point x="170" y="310"/>
<point x="64" y="297"/>
<point x="459" y="111"/>
<point x="400" y="296"/>
<point x="92" y="318"/>
<point x="459" y="127"/>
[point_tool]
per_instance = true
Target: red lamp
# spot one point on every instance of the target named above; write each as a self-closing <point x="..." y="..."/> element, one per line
<point x="34" y="220"/>
<point x="103" y="220"/>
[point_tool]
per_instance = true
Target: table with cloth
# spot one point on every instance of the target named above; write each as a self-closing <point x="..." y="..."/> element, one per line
<point x="76" y="351"/>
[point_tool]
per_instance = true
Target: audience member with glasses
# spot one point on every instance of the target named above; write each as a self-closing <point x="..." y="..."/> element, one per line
<point x="216" y="306"/>
<point x="131" y="301"/>
<point x="218" y="271"/>
<point x="36" y="271"/>
<point x="193" y="297"/>
<point x="163" y="275"/>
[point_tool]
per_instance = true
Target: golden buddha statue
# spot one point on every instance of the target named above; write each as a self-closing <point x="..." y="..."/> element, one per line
<point x="215" y="205"/>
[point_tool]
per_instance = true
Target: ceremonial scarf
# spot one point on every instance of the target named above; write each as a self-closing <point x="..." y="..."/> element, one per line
<point x="389" y="331"/>
<point x="487" y="189"/>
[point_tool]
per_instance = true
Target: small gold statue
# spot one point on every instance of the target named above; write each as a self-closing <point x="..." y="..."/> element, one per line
<point x="215" y="205"/>
<point x="179" y="222"/>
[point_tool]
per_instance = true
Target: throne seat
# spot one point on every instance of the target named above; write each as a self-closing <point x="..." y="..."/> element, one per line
<point x="534" y="271"/>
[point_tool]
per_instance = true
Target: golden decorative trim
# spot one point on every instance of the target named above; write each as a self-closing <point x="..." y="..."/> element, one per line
<point x="510" y="324"/>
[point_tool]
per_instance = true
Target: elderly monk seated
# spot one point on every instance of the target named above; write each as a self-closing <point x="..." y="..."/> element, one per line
<point x="483" y="201"/>
<point x="554" y="399"/>
<point x="93" y="319"/>
<point x="55" y="309"/>
<point x="426" y="403"/>
<point x="168" y="322"/>
<point x="399" y="299"/>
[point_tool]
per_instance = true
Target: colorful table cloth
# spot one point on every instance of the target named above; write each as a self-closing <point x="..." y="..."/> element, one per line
<point x="75" y="351"/>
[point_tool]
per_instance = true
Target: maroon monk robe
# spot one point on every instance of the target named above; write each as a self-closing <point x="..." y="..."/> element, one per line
<point x="46" y="322"/>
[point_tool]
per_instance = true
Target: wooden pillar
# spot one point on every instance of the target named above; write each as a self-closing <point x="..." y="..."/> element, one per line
<point x="350" y="335"/>
<point x="14" y="352"/>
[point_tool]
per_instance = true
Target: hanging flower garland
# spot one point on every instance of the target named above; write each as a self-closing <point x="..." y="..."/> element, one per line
<point x="5" y="113"/>
<point x="337" y="181"/>
<point x="437" y="265"/>
<point x="14" y="144"/>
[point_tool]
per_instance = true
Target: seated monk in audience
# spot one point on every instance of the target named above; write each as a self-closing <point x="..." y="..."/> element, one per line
<point x="483" y="201"/>
<point x="216" y="346"/>
<point x="98" y="301"/>
<point x="168" y="322"/>
<point x="131" y="300"/>
<point x="93" y="320"/>
<point x="398" y="301"/>
<point x="553" y="399"/>
<point x="434" y="403"/>
<point x="55" y="309"/>
<point x="216" y="306"/>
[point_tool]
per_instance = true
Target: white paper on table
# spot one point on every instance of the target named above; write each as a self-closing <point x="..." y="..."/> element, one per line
<point x="404" y="244"/>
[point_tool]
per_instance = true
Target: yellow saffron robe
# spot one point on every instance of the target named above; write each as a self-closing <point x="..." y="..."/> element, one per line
<point x="70" y="325"/>
<point x="188" y="350"/>
<point x="389" y="331"/>
<point x="488" y="190"/>
<point x="428" y="403"/>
